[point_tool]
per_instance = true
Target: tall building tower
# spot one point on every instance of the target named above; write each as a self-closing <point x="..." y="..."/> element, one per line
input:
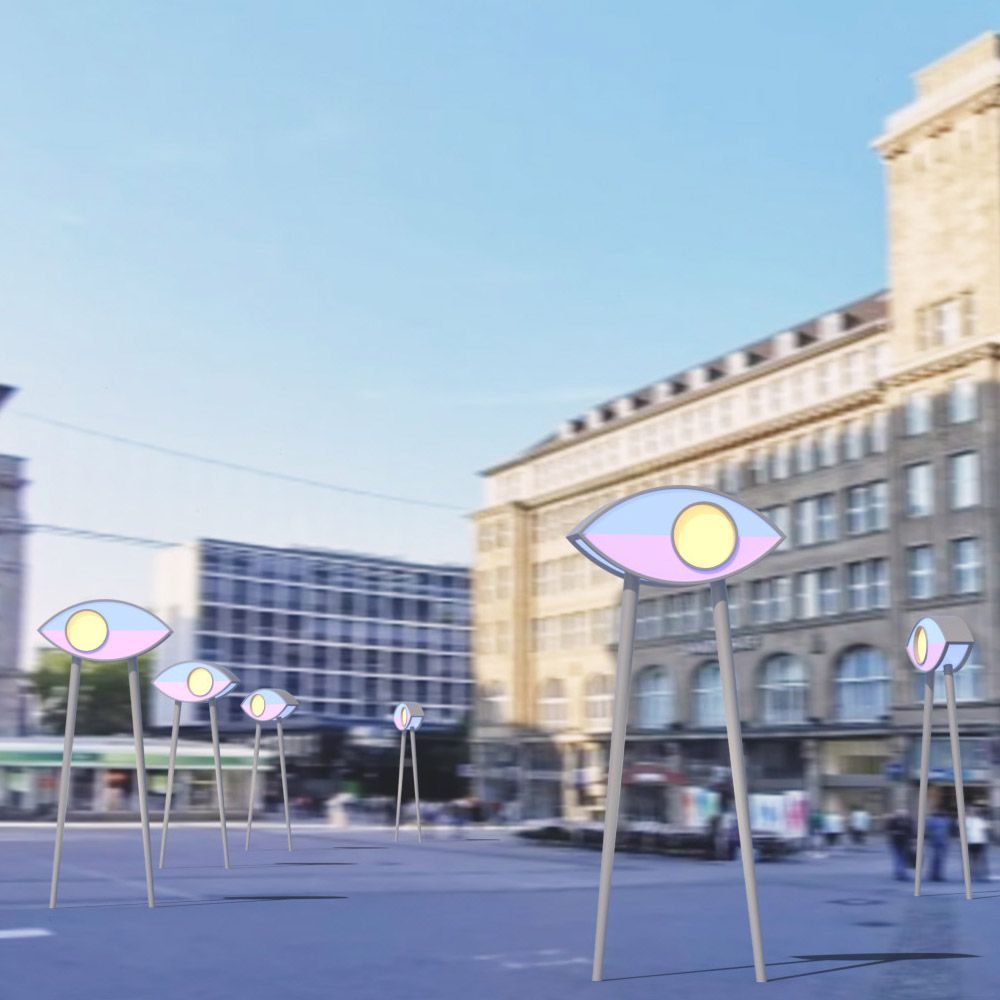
<point x="11" y="583"/>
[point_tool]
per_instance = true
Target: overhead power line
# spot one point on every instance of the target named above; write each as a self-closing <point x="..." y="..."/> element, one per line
<point x="237" y="466"/>
<point x="11" y="524"/>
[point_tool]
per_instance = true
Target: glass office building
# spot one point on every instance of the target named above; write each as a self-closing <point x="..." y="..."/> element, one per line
<point x="350" y="635"/>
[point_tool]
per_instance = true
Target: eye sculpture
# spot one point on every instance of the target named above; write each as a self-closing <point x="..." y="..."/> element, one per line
<point x="408" y="718"/>
<point x="263" y="705"/>
<point x="103" y="631"/>
<point x="195" y="682"/>
<point x="940" y="642"/>
<point x="676" y="536"/>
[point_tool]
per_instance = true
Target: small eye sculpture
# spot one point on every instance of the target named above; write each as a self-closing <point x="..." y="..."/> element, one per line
<point x="676" y="536"/>
<point x="408" y="718"/>
<point x="103" y="631"/>
<point x="267" y="705"/>
<point x="193" y="683"/>
<point x="946" y="642"/>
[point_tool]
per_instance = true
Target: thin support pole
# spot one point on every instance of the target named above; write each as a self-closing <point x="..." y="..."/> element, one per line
<point x="170" y="779"/>
<point x="956" y="766"/>
<point x="399" y="786"/>
<point x="727" y="672"/>
<point x="616" y="758"/>
<point x="140" y="773"/>
<point x="925" y="756"/>
<point x="284" y="781"/>
<point x="253" y="785"/>
<point x="416" y="783"/>
<point x="213" y="719"/>
<point x="65" y="777"/>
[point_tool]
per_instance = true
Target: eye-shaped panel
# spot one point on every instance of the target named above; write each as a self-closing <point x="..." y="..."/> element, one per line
<point x="675" y="535"/>
<point x="407" y="716"/>
<point x="193" y="681"/>
<point x="266" y="704"/>
<point x="105" y="630"/>
<point x="939" y="642"/>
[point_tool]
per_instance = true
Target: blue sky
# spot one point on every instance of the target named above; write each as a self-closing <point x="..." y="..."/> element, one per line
<point x="390" y="244"/>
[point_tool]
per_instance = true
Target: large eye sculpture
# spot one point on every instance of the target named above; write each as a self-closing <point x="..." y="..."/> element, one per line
<point x="195" y="682"/>
<point x="265" y="705"/>
<point x="408" y="718"/>
<point x="104" y="631"/>
<point x="676" y="536"/>
<point x="940" y="642"/>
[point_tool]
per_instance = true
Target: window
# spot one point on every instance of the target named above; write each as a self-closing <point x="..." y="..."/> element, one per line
<point x="781" y="599"/>
<point x="962" y="401"/>
<point x="805" y="451"/>
<point x="854" y="441"/>
<point x="552" y="703"/>
<point x="815" y="519"/>
<point x="963" y="480"/>
<point x="780" y="462"/>
<point x="805" y="521"/>
<point x="920" y="572"/>
<point x="945" y="322"/>
<point x="917" y="413"/>
<point x="707" y="696"/>
<point x="599" y="697"/>
<point x="653" y="699"/>
<point x="968" y="682"/>
<point x="867" y="508"/>
<point x="826" y="518"/>
<point x="966" y="566"/>
<point x="829" y="592"/>
<point x="760" y="591"/>
<point x="880" y="432"/>
<point x="828" y="448"/>
<point x="807" y="594"/>
<point x="781" y="516"/>
<point x="867" y="585"/>
<point x="782" y="690"/>
<point x="758" y="467"/>
<point x="919" y="489"/>
<point x="862" y="685"/>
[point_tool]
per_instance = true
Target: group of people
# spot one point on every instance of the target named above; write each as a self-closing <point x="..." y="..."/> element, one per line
<point x="901" y="832"/>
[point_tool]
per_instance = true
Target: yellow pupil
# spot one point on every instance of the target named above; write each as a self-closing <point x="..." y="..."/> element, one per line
<point x="704" y="536"/>
<point x="257" y="704"/>
<point x="199" y="682"/>
<point x="86" y="631"/>
<point x="920" y="645"/>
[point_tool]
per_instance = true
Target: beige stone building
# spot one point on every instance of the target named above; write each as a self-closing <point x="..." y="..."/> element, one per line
<point x="869" y="433"/>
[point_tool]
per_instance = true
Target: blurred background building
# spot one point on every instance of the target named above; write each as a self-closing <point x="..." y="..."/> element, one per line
<point x="350" y="635"/>
<point x="13" y="697"/>
<point x="869" y="434"/>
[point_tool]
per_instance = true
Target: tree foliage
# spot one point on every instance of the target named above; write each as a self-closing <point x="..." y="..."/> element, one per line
<point x="104" y="707"/>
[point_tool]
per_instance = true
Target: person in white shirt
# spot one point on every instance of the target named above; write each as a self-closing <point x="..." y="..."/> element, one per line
<point x="977" y="832"/>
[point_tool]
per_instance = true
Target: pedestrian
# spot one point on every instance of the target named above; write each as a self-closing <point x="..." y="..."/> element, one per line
<point x="834" y="827"/>
<point x="899" y="829"/>
<point x="977" y="833"/>
<point x="860" y="822"/>
<point x="938" y="830"/>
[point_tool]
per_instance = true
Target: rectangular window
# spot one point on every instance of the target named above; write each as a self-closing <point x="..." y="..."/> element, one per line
<point x="805" y="521"/>
<point x="828" y="448"/>
<point x="781" y="601"/>
<point x="829" y="592"/>
<point x="867" y="508"/>
<point x="807" y="594"/>
<point x="854" y="441"/>
<point x="963" y="401"/>
<point x="963" y="480"/>
<point x="917" y="413"/>
<point x="781" y="517"/>
<point x="880" y="432"/>
<point x="806" y="454"/>
<point x="761" y="601"/>
<point x="857" y="586"/>
<point x="966" y="566"/>
<point x="780" y="462"/>
<point x="920" y="572"/>
<point x="826" y="518"/>
<point x="919" y="489"/>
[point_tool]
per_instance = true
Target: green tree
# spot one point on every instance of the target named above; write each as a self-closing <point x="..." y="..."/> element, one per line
<point x="104" y="706"/>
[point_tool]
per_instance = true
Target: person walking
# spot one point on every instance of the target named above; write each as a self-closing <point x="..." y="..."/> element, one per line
<point x="977" y="833"/>
<point x="938" y="831"/>
<point x="899" y="830"/>
<point x="860" y="822"/>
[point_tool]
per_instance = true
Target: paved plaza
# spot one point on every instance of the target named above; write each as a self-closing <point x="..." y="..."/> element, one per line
<point x="350" y="914"/>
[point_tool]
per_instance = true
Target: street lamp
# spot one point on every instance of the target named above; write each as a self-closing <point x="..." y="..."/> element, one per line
<point x="408" y="718"/>
<point x="675" y="536"/>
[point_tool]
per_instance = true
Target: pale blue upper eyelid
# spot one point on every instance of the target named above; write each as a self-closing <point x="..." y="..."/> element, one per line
<point x="654" y="513"/>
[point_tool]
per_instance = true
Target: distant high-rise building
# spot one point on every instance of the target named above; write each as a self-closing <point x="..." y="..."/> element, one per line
<point x="870" y="434"/>
<point x="11" y="584"/>
<point x="350" y="635"/>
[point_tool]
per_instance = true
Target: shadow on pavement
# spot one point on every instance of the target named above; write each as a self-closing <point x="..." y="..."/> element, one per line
<point x="857" y="960"/>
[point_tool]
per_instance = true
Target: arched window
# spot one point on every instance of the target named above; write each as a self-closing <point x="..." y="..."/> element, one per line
<point x="968" y="682"/>
<point x="862" y="685"/>
<point x="706" y="695"/>
<point x="552" y="703"/>
<point x="782" y="690"/>
<point x="598" y="698"/>
<point x="653" y="698"/>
